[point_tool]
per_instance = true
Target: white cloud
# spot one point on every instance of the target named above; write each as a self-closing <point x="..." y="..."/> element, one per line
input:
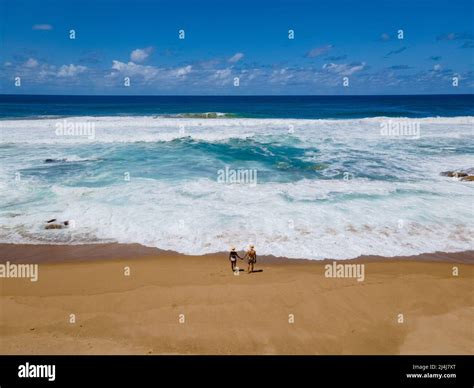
<point x="220" y="77"/>
<point x="281" y="76"/>
<point x="148" y="73"/>
<point x="236" y="57"/>
<point x="252" y="74"/>
<point x="223" y="73"/>
<point x="344" y="68"/>
<point x="140" y="55"/>
<point x="132" y="69"/>
<point x="182" y="71"/>
<point x="31" y="63"/>
<point x="316" y="52"/>
<point x="46" y="72"/>
<point x="437" y="67"/>
<point x="42" y="27"/>
<point x="70" y="70"/>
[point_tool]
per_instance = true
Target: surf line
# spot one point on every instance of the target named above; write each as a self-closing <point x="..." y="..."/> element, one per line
<point x="11" y="270"/>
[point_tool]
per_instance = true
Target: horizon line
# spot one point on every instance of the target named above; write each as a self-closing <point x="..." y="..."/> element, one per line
<point x="236" y="95"/>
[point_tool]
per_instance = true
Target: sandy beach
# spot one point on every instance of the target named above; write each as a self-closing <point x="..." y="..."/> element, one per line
<point x="168" y="303"/>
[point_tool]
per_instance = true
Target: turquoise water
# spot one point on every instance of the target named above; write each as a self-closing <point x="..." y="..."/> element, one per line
<point x="301" y="186"/>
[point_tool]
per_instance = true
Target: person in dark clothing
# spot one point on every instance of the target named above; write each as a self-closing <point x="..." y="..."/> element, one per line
<point x="233" y="255"/>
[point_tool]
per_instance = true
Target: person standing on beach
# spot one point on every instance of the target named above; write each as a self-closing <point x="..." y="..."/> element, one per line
<point x="233" y="258"/>
<point x="251" y="255"/>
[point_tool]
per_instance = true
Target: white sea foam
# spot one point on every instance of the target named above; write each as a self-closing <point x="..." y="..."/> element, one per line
<point x="130" y="129"/>
<point x="311" y="218"/>
<point x="203" y="216"/>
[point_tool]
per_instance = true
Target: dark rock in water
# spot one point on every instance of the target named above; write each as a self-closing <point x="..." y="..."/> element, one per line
<point x="54" y="226"/>
<point x="459" y="173"/>
<point x="447" y="173"/>
<point x="455" y="174"/>
<point x="51" y="224"/>
<point x="49" y="160"/>
<point x="469" y="178"/>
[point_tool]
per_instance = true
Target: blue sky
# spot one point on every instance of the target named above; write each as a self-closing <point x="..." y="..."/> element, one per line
<point x="247" y="40"/>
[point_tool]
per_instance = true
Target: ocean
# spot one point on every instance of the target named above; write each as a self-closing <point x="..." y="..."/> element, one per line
<point x="298" y="176"/>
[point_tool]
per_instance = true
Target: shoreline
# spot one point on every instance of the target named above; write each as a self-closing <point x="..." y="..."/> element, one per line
<point x="63" y="253"/>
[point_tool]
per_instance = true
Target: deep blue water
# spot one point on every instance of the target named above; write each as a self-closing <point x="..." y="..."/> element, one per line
<point x="300" y="107"/>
